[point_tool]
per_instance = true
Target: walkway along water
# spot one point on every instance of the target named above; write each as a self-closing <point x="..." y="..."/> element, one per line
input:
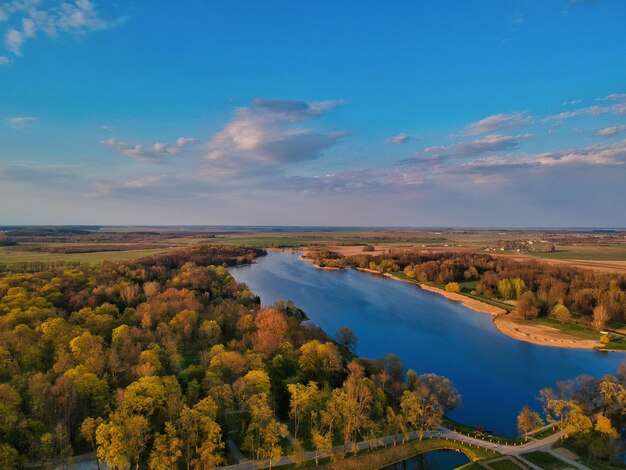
<point x="544" y="444"/>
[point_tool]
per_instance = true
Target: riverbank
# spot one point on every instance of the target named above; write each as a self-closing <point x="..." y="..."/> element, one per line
<point x="542" y="335"/>
<point x="470" y="303"/>
<point x="317" y="266"/>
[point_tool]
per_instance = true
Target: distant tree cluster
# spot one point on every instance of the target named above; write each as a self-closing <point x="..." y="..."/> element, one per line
<point x="154" y="362"/>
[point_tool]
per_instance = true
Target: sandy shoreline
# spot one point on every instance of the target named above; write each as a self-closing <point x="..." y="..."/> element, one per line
<point x="542" y="335"/>
<point x="470" y="303"/>
<point x="473" y="304"/>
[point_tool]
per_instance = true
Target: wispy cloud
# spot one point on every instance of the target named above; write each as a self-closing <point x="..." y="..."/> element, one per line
<point x="149" y="153"/>
<point x="401" y="138"/>
<point x="498" y="122"/>
<point x="611" y="131"/>
<point x="619" y="97"/>
<point x="619" y="108"/>
<point x="490" y="143"/>
<point x="266" y="135"/>
<point x="571" y="102"/>
<point x="595" y="155"/>
<point x="27" y="19"/>
<point x="518" y="19"/>
<point x="21" y="121"/>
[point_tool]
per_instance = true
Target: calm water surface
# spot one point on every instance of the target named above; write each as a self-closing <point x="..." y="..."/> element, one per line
<point x="495" y="374"/>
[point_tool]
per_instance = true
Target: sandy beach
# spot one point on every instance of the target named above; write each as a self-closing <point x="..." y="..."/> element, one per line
<point x="542" y="334"/>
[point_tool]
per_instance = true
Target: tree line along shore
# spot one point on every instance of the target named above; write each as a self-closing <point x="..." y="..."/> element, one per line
<point x="550" y="305"/>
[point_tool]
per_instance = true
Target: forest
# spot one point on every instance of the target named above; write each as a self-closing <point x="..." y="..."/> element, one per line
<point x="539" y="289"/>
<point x="159" y="362"/>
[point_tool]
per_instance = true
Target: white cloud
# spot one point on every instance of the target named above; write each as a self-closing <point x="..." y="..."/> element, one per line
<point x="518" y="19"/>
<point x="498" y="122"/>
<point x="619" y="97"/>
<point x="618" y="108"/>
<point x="595" y="155"/>
<point x="21" y="121"/>
<point x="265" y="135"/>
<point x="150" y="153"/>
<point x="611" y="131"/>
<point x="145" y="182"/>
<point x="571" y="102"/>
<point x="401" y="138"/>
<point x="4" y="60"/>
<point x="28" y="18"/>
<point x="13" y="40"/>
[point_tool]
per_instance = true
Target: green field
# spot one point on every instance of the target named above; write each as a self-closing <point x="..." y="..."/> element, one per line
<point x="15" y="256"/>
<point x="505" y="465"/>
<point x="578" y="331"/>
<point x="545" y="460"/>
<point x="587" y="253"/>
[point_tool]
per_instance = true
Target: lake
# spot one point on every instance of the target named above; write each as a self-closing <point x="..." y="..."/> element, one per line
<point x="496" y="375"/>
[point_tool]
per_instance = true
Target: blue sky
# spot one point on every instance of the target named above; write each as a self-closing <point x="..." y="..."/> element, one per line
<point x="409" y="113"/>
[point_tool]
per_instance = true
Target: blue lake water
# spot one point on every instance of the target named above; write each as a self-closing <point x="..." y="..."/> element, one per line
<point x="496" y="375"/>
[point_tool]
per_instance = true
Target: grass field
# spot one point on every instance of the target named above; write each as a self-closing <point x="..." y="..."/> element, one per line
<point x="8" y="256"/>
<point x="505" y="465"/>
<point x="545" y="460"/>
<point x="587" y="253"/>
<point x="579" y="331"/>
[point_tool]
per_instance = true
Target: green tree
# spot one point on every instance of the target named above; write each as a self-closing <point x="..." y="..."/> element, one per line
<point x="562" y="313"/>
<point x="201" y="434"/>
<point x="9" y="457"/>
<point x="419" y="413"/>
<point x="322" y="442"/>
<point x="122" y="441"/>
<point x="88" y="433"/>
<point x="454" y="287"/>
<point x="166" y="450"/>
<point x="303" y="402"/>
<point x="319" y="360"/>
<point x="519" y="286"/>
<point x="527" y="421"/>
<point x="271" y="436"/>
<point x="505" y="288"/>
